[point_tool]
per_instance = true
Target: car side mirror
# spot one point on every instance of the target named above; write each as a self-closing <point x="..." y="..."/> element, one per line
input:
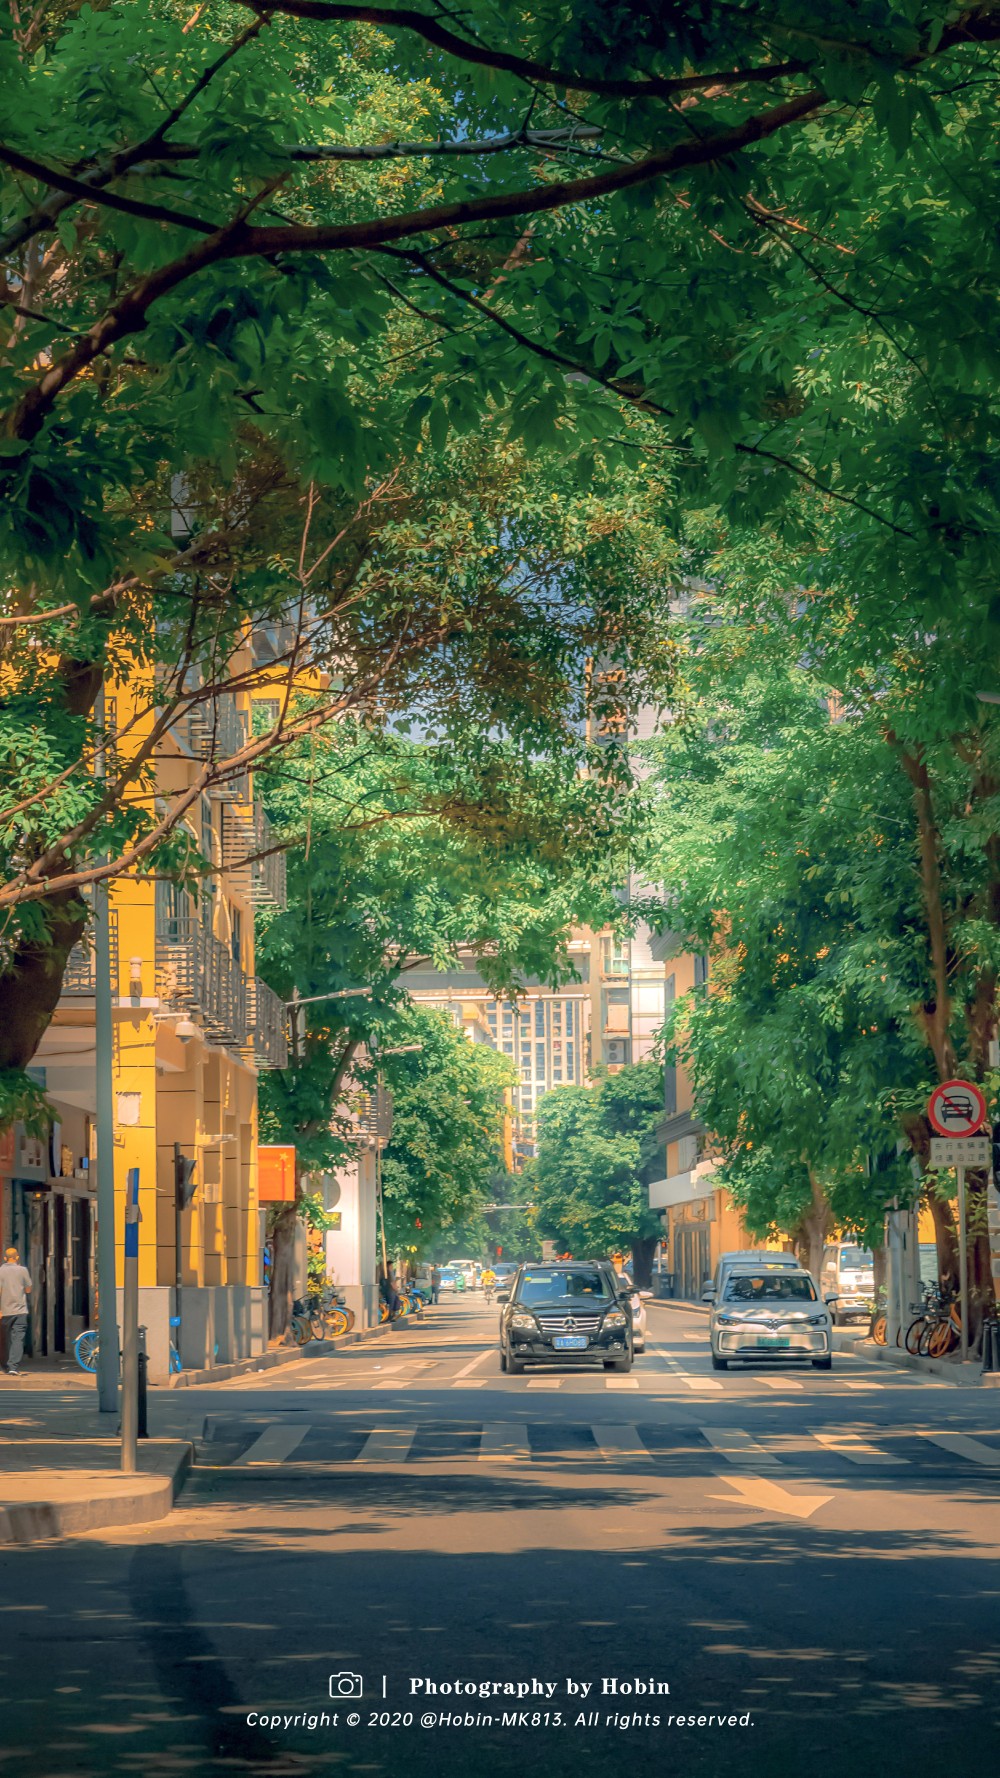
<point x="832" y="1299"/>
<point x="504" y="1297"/>
<point x="708" y="1294"/>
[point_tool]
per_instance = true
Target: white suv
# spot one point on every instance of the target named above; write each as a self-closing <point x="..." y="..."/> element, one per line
<point x="770" y="1313"/>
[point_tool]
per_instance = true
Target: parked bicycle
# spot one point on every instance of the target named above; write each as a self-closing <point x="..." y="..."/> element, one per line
<point x="87" y="1345"/>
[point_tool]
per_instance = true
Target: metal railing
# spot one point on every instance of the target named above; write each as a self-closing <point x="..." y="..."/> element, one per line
<point x="249" y="856"/>
<point x="268" y="1026"/>
<point x="197" y="973"/>
<point x="80" y="975"/>
<point x="215" y="730"/>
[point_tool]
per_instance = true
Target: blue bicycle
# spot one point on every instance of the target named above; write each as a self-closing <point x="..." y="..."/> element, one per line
<point x="87" y="1345"/>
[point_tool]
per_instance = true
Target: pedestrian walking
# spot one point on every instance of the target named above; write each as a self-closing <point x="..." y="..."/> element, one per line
<point x="435" y="1283"/>
<point x="15" y="1289"/>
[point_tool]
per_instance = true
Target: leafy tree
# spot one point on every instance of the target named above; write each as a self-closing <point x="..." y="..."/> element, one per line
<point x="401" y="851"/>
<point x="598" y="1149"/>
<point x="787" y="826"/>
<point x="449" y="1111"/>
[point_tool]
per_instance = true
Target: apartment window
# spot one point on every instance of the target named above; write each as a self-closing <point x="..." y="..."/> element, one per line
<point x="491" y="1018"/>
<point x="557" y="1072"/>
<point x="539" y="1018"/>
<point x="508" y="1048"/>
<point x="570" y="1069"/>
<point x="506" y="1018"/>
<point x="540" y="1058"/>
<point x="700" y="971"/>
<point x="569" y="1018"/>
<point x="614" y="956"/>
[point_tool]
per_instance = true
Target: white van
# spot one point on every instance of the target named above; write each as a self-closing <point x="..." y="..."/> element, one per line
<point x="849" y="1275"/>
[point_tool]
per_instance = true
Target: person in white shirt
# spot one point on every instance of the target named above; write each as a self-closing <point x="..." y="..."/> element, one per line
<point x="15" y="1289"/>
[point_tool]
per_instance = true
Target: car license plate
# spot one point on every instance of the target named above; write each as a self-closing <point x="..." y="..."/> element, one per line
<point x="772" y="1340"/>
<point x="570" y="1342"/>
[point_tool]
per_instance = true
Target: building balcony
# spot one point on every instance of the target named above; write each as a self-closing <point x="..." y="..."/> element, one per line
<point x="249" y="856"/>
<point x="268" y="1026"/>
<point x="216" y="730"/>
<point x="80" y="976"/>
<point x="197" y="974"/>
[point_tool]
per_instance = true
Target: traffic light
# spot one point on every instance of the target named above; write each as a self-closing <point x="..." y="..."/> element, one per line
<point x="184" y="1180"/>
<point x="499" y="1252"/>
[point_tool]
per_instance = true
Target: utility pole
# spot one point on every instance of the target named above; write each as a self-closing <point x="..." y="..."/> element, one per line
<point x="107" y="1284"/>
<point x="963" y="1266"/>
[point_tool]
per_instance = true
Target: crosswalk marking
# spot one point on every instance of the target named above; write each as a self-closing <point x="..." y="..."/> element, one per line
<point x="620" y="1441"/>
<point x="396" y="1383"/>
<point x="545" y="1382"/>
<point x="273" y="1446"/>
<point x="504" y="1441"/>
<point x="869" y="1383"/>
<point x="472" y="1383"/>
<point x="700" y="1382"/>
<point x="390" y="1444"/>
<point x="621" y="1382"/>
<point x="852" y="1446"/>
<point x="781" y="1383"/>
<point x="473" y="1364"/>
<point x="738" y="1447"/>
<point x="961" y="1445"/>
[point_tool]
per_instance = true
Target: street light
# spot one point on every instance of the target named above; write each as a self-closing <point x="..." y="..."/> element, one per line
<point x="310" y="1000"/>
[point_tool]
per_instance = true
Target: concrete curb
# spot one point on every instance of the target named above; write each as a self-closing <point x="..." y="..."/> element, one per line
<point x="266" y="1361"/>
<point x="118" y="1499"/>
<point x="967" y="1376"/>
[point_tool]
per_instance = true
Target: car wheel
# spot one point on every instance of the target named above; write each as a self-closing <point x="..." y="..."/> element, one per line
<point x="503" y="1359"/>
<point x="640" y="1348"/>
<point x="514" y="1367"/>
<point x="719" y="1364"/>
<point x="823" y="1364"/>
<point x="618" y="1364"/>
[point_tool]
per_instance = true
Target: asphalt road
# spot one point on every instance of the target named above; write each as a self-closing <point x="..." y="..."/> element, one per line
<point x="812" y="1554"/>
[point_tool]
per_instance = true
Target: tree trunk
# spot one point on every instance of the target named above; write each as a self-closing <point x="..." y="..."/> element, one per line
<point x="945" y="1240"/>
<point x="283" y="1266"/>
<point x="813" y="1229"/>
<point x="32" y="980"/>
<point x="880" y="1268"/>
<point x="643" y="1253"/>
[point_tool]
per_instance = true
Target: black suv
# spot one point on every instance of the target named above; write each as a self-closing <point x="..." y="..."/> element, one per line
<point x="564" y="1313"/>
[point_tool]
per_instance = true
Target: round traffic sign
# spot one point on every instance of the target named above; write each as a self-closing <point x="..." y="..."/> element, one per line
<point x="956" y="1108"/>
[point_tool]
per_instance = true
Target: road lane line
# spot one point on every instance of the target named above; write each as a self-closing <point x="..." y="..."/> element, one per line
<point x="852" y="1446"/>
<point x="474" y="1364"/>
<point x="273" y="1446"/>
<point x="961" y="1445"/>
<point x="620" y="1441"/>
<point x="388" y="1444"/>
<point x="504" y="1441"/>
<point x="738" y="1447"/>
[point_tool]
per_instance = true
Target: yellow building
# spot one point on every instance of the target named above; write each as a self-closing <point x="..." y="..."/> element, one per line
<point x="193" y="1025"/>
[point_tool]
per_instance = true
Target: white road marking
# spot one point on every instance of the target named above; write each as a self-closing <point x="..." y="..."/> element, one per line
<point x="475" y="1363"/>
<point x="545" y="1382"/>
<point x="769" y="1498"/>
<point x="473" y="1383"/>
<point x="856" y="1449"/>
<point x="504" y="1441"/>
<point x="390" y="1444"/>
<point x="869" y="1383"/>
<point x="273" y="1446"/>
<point x="738" y="1447"/>
<point x="620" y="1441"/>
<point x="393" y="1383"/>
<point x="781" y="1383"/>
<point x="699" y="1382"/>
<point x="961" y="1445"/>
<point x="621" y="1382"/>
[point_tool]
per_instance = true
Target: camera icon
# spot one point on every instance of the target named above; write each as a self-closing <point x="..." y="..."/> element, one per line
<point x="346" y="1685"/>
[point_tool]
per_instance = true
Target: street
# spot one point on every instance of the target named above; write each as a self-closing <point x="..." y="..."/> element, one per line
<point x="805" y="1551"/>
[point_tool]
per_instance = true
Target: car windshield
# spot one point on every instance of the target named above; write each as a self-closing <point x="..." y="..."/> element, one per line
<point x="562" y="1286"/>
<point x="770" y="1287"/>
<point x="857" y="1258"/>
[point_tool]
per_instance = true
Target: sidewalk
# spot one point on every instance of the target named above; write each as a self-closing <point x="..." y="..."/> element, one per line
<point x="60" y="1487"/>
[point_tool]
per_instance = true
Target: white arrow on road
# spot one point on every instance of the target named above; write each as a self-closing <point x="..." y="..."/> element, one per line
<point x="769" y="1498"/>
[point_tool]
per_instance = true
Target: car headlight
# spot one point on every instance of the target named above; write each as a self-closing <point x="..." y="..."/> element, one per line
<point x="519" y="1319"/>
<point x="726" y="1321"/>
<point x="817" y="1321"/>
<point x="615" y="1318"/>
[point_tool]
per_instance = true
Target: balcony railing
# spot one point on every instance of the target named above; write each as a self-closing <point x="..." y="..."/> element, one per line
<point x="249" y="855"/>
<point x="197" y="973"/>
<point x="268" y="1026"/>
<point x="80" y="975"/>
<point x="215" y="730"/>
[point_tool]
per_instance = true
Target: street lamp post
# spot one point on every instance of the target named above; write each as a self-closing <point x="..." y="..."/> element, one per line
<point x="107" y="1284"/>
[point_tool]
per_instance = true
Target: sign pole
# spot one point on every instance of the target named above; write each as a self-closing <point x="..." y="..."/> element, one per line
<point x="963" y="1266"/>
<point x="130" y="1327"/>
